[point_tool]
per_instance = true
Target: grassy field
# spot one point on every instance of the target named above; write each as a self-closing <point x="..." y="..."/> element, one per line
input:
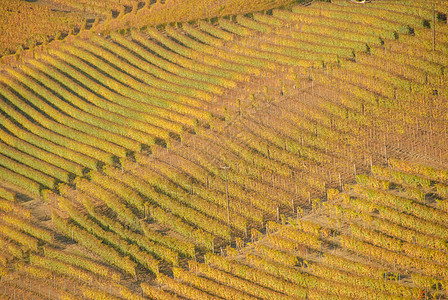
<point x="277" y="151"/>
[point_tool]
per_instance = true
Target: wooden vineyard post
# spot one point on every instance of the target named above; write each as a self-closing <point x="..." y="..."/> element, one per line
<point x="227" y="193"/>
<point x="278" y="214"/>
<point x="340" y="180"/>
<point x="312" y="82"/>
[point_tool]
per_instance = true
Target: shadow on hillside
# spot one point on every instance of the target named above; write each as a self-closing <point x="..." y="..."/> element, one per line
<point x="23" y="198"/>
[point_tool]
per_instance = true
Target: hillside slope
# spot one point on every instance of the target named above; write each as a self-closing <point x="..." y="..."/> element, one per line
<point x="25" y="24"/>
<point x="224" y="153"/>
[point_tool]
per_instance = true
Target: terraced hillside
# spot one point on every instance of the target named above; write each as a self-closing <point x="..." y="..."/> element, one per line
<point x="46" y="20"/>
<point x="218" y="158"/>
<point x="28" y="23"/>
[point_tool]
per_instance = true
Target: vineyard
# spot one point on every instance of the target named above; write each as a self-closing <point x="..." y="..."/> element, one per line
<point x="274" y="150"/>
